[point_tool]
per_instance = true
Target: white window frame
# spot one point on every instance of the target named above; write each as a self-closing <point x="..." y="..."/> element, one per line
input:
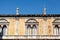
<point x="5" y="31"/>
<point x="35" y="30"/>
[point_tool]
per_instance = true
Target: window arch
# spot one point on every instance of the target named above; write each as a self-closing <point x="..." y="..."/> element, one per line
<point x="32" y="24"/>
<point x="4" y="25"/>
<point x="56" y="27"/>
<point x="4" y="30"/>
<point x="28" y="26"/>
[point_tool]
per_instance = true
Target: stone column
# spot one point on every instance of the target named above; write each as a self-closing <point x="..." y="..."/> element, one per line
<point x="16" y="26"/>
<point x="45" y="26"/>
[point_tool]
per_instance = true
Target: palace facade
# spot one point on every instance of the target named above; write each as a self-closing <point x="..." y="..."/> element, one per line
<point x="30" y="27"/>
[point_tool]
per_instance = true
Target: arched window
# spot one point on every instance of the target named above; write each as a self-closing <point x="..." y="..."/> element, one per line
<point x="31" y="26"/>
<point x="4" y="23"/>
<point x="56" y="30"/>
<point x="3" y="26"/>
<point x="56" y="27"/>
<point x="34" y="26"/>
<point x="28" y="30"/>
<point x="4" y="30"/>
<point x="34" y="30"/>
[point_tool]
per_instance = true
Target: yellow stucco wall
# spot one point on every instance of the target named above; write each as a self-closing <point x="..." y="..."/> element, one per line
<point x="11" y="26"/>
<point x="49" y="26"/>
<point x="21" y="25"/>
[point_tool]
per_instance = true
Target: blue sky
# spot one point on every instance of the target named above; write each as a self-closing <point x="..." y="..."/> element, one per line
<point x="29" y="6"/>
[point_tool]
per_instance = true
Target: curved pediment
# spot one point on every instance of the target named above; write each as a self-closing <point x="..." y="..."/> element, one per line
<point x="3" y="21"/>
<point x="31" y="20"/>
<point x="56" y="21"/>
